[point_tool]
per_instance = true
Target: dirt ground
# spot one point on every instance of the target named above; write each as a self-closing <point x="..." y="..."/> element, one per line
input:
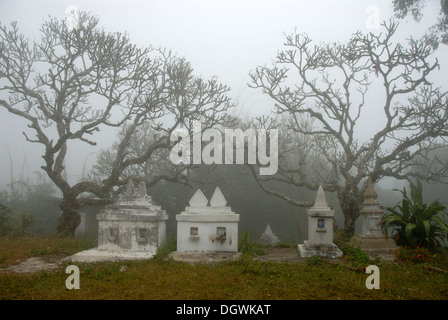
<point x="281" y="255"/>
<point x="35" y="264"/>
<point x="50" y="263"/>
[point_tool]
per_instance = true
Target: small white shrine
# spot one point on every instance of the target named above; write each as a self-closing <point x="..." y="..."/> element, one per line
<point x="207" y="228"/>
<point x="131" y="228"/>
<point x="320" y="230"/>
<point x="207" y="232"/>
<point x="268" y="237"/>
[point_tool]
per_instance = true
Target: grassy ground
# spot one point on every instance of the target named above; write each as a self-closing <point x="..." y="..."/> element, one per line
<point x="159" y="278"/>
<point x="21" y="248"/>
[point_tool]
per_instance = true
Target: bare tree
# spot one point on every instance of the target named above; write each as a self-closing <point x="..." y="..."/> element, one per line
<point x="156" y="168"/>
<point x="322" y="90"/>
<point x="78" y="80"/>
<point x="403" y="8"/>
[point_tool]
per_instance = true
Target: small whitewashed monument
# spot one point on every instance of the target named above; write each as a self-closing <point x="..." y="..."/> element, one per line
<point x="268" y="237"/>
<point x="132" y="228"/>
<point x="320" y="230"/>
<point x="372" y="240"/>
<point x="207" y="232"/>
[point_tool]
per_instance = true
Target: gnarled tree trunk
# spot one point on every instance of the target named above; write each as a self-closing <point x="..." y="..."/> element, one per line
<point x="350" y="202"/>
<point x="70" y="218"/>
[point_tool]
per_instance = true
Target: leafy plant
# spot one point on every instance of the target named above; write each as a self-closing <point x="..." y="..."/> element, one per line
<point x="165" y="249"/>
<point x="39" y="252"/>
<point x="7" y="222"/>
<point x="416" y="223"/>
<point x="355" y="255"/>
<point x="314" y="261"/>
<point x="250" y="247"/>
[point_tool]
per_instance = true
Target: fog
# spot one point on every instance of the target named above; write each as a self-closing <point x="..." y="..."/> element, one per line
<point x="223" y="38"/>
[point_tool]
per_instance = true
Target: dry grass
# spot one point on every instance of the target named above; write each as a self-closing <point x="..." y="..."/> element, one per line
<point x="244" y="279"/>
<point x="19" y="248"/>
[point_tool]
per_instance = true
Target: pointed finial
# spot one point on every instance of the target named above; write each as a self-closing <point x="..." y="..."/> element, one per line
<point x="321" y="202"/>
<point x="142" y="189"/>
<point x="129" y="188"/>
<point x="218" y="199"/>
<point x="370" y="193"/>
<point x="268" y="229"/>
<point x="198" y="199"/>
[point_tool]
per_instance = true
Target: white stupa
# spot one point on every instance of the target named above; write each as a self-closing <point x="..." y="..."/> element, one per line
<point x="268" y="237"/>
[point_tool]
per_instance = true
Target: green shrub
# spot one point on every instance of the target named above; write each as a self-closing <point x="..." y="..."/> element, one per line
<point x="314" y="261"/>
<point x="39" y="252"/>
<point x="355" y="255"/>
<point x="7" y="222"/>
<point x="250" y="247"/>
<point x="416" y="223"/>
<point x="165" y="249"/>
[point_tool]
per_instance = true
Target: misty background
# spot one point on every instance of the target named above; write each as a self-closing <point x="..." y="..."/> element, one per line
<point x="223" y="38"/>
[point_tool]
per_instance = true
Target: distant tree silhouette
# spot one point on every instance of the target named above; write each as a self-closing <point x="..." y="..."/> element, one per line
<point x="403" y="8"/>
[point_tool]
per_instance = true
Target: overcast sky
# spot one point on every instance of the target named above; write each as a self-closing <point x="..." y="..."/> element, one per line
<point x="226" y="38"/>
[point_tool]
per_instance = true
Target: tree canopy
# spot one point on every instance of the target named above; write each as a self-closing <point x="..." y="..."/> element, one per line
<point x="403" y="8"/>
<point x="321" y="91"/>
<point x="75" y="81"/>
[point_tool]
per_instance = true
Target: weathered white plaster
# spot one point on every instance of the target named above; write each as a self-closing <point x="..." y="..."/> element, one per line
<point x="204" y="228"/>
<point x="132" y="228"/>
<point x="218" y="199"/>
<point x="198" y="199"/>
<point x="371" y="239"/>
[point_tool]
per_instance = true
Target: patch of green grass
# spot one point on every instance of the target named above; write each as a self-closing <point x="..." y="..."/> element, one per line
<point x="440" y="257"/>
<point x="18" y="248"/>
<point x="314" y="261"/>
<point x="243" y="279"/>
